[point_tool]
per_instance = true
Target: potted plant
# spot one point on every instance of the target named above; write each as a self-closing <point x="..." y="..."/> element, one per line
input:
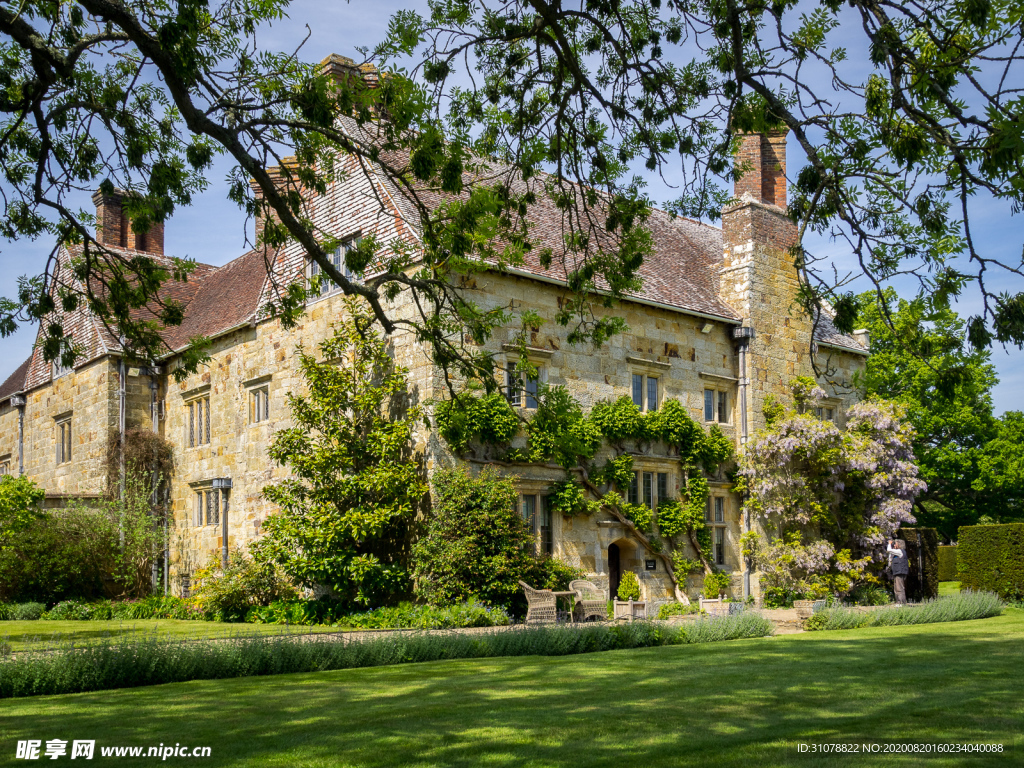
<point x="629" y="605"/>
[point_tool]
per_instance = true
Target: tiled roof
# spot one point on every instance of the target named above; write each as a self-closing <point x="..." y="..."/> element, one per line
<point x="826" y="333"/>
<point x="16" y="381"/>
<point x="224" y="298"/>
<point x="682" y="271"/>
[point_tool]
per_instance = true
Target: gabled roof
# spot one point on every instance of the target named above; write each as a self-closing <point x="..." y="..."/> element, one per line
<point x="16" y="381"/>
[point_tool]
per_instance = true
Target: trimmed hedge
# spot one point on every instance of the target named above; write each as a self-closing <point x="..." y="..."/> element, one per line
<point x="947" y="562"/>
<point x="927" y="555"/>
<point x="991" y="558"/>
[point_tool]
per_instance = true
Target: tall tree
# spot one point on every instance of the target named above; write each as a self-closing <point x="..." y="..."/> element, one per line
<point x="922" y="359"/>
<point x="346" y="512"/>
<point x="144" y="95"/>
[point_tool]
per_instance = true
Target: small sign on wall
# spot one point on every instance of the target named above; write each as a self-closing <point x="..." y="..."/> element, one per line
<point x="650" y="565"/>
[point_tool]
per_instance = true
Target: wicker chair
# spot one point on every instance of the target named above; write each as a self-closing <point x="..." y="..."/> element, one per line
<point x="541" y="605"/>
<point x="590" y="601"/>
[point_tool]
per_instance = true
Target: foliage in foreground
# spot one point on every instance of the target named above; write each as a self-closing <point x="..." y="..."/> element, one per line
<point x="962" y="607"/>
<point x="136" y="661"/>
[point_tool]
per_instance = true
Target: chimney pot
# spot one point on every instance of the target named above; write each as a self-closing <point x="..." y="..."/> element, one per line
<point x="765" y="155"/>
<point x="113" y="227"/>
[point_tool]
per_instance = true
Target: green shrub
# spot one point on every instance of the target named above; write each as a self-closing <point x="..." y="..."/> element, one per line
<point x="991" y="558"/>
<point x="836" y="618"/>
<point x="870" y="594"/>
<point x="28" y="611"/>
<point x="71" y="610"/>
<point x="716" y="583"/>
<point x="731" y="627"/>
<point x="629" y="586"/>
<point x="963" y="607"/>
<point x="478" y="545"/>
<point x="227" y="594"/>
<point x="668" y="610"/>
<point x="780" y="597"/>
<point x="925" y="555"/>
<point x="136" y="660"/>
<point x="947" y="563"/>
<point x="6" y="611"/>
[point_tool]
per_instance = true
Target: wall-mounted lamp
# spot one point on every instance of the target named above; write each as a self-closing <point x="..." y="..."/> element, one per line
<point x="708" y="327"/>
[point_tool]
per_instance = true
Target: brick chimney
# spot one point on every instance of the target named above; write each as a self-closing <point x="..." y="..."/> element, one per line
<point x="765" y="154"/>
<point x="114" y="229"/>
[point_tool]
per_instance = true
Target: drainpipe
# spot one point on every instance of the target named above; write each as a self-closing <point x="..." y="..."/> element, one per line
<point x="18" y="401"/>
<point x="743" y="336"/>
<point x="153" y="372"/>
<point x="121" y="396"/>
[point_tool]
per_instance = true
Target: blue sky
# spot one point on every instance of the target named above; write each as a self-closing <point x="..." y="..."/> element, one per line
<point x="212" y="230"/>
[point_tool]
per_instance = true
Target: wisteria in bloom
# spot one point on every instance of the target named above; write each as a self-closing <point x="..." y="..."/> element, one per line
<point x="828" y="499"/>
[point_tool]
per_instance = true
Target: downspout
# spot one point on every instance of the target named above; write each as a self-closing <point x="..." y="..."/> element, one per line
<point x="121" y="396"/>
<point x="743" y="335"/>
<point x="155" y="495"/>
<point x="18" y="401"/>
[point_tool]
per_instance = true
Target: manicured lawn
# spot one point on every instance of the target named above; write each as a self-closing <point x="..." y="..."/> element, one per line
<point x="24" y="634"/>
<point x="745" y="703"/>
<point x="949" y="588"/>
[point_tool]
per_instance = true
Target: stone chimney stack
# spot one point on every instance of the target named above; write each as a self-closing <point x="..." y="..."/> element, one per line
<point x="759" y="276"/>
<point x="114" y="229"/>
<point x="342" y="68"/>
<point x="765" y="154"/>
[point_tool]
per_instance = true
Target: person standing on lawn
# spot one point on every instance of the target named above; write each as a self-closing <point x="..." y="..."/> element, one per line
<point x="899" y="568"/>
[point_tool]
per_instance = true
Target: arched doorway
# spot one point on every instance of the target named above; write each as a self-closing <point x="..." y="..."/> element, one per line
<point x="614" y="571"/>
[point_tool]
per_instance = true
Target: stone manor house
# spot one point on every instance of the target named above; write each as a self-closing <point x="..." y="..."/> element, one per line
<point x="716" y="326"/>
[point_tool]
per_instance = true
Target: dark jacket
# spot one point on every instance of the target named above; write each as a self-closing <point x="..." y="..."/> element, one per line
<point x="899" y="565"/>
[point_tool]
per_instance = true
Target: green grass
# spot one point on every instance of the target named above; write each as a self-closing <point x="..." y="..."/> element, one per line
<point x="949" y="588"/>
<point x="23" y="635"/>
<point x="743" y="703"/>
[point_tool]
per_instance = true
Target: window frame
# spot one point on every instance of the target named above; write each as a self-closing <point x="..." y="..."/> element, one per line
<point x="520" y="392"/>
<point x="543" y="535"/>
<point x="65" y="451"/>
<point x="640" y="491"/>
<point x="197" y="414"/>
<point x="715" y="514"/>
<point x="643" y="380"/>
<point x="259" y="404"/>
<point x="714" y="400"/>
<point x="327" y="287"/>
<point x="209" y="505"/>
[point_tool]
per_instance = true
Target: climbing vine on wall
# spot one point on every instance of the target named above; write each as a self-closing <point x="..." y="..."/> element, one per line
<point x="559" y="432"/>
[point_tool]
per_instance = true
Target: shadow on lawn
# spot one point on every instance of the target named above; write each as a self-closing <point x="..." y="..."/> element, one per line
<point x="744" y="703"/>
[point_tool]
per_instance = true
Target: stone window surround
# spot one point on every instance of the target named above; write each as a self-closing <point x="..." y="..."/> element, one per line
<point x="63" y="437"/>
<point x="835" y="403"/>
<point x="718" y="384"/>
<point x="719" y="528"/>
<point x="5" y="464"/>
<point x="205" y="491"/>
<point x="537" y="357"/>
<point x="649" y="370"/>
<point x="257" y="390"/>
<point x="538" y="489"/>
<point x="189" y="399"/>
<point x="645" y="464"/>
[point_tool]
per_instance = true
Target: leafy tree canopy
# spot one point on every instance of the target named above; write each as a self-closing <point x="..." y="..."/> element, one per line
<point x="922" y="359"/>
<point x="346" y="511"/>
<point x="907" y="112"/>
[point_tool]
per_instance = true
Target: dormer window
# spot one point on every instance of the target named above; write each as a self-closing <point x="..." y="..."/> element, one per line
<point x="327" y="286"/>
